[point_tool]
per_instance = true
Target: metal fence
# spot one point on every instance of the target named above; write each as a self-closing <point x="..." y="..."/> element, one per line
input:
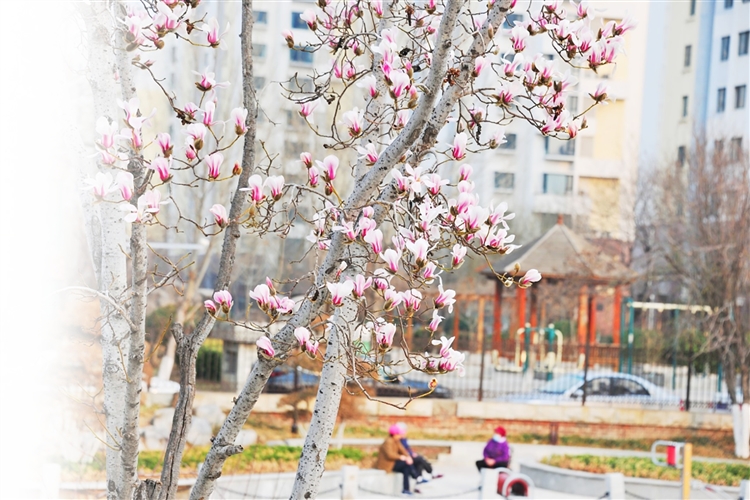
<point x="549" y="372"/>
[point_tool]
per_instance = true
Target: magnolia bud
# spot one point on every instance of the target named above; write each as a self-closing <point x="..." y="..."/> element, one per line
<point x="237" y="170"/>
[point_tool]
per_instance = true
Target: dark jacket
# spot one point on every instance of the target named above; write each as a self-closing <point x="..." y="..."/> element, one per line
<point x="499" y="452"/>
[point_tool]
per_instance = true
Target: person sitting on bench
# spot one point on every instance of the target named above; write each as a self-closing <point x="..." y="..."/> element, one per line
<point x="496" y="453"/>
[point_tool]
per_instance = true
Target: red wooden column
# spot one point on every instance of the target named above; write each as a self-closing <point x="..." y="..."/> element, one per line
<point x="582" y="320"/>
<point x="497" y="317"/>
<point x="533" y="313"/>
<point x="616" y="315"/>
<point x="521" y="307"/>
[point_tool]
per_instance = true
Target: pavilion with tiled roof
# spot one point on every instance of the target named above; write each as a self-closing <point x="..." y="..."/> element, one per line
<point x="561" y="255"/>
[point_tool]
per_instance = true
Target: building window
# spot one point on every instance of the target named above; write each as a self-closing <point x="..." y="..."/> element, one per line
<point x="721" y="100"/>
<point x="558" y="147"/>
<point x="510" y="142"/>
<point x="688" y="50"/>
<point x="736" y="149"/>
<point x="724" y="48"/>
<point x="259" y="50"/>
<point x="692" y="7"/>
<point x="300" y="55"/>
<point x="572" y="104"/>
<point x="261" y="17"/>
<point x="259" y="82"/>
<point x="684" y="106"/>
<point x="505" y="181"/>
<point x="558" y="184"/>
<point x="681" y="154"/>
<point x="739" y="96"/>
<point x="742" y="51"/>
<point x="297" y="21"/>
<point x="728" y="4"/>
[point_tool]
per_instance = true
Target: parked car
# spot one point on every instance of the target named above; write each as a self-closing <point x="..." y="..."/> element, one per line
<point x="281" y="381"/>
<point x="601" y="387"/>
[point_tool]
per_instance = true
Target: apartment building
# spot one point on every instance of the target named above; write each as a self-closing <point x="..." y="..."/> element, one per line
<point x="699" y="64"/>
<point x="590" y="180"/>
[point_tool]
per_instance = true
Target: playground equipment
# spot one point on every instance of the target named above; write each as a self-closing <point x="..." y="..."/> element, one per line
<point x="515" y="484"/>
<point x="550" y="351"/>
<point x="678" y="456"/>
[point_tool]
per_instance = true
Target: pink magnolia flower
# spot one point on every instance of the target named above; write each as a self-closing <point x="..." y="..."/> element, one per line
<point x="402" y="183"/>
<point x="265" y="347"/>
<point x="161" y="166"/>
<point x="444" y="343"/>
<point x="262" y="295"/>
<point x="391" y="257"/>
<point x="368" y="212"/>
<point x="458" y="254"/>
<point x="498" y="215"/>
<point x="306" y="108"/>
<point x="101" y="184"/>
<point x="360" y="285"/>
<point x="624" y="26"/>
<point x="531" y="276"/>
<point x="153" y="201"/>
<point x="239" y="118"/>
<point x="255" y="186"/>
<point x="419" y="250"/>
<point x="453" y="362"/>
<point x="402" y="118"/>
<point x="428" y="273"/>
<point x="479" y="64"/>
<point x="210" y="306"/>
<point x="600" y="94"/>
<point x="369" y="153"/>
<point x="434" y="182"/>
<point x="107" y="131"/>
<point x="206" y="83"/>
<point x="435" y="322"/>
<point x="377" y="6"/>
<point x="384" y="333"/>
<point x="400" y="83"/>
<point x="518" y="36"/>
<point x="380" y="280"/>
<point x="353" y="120"/>
<point x="465" y="172"/>
<point x="347" y="228"/>
<point x="213" y="37"/>
<point x="369" y="83"/>
<point x="375" y="239"/>
<point x="220" y="215"/>
<point x="312" y="347"/>
<point x="313" y="176"/>
<point x="445" y="299"/>
<point x="197" y="132"/>
<point x="330" y="165"/>
<point x="289" y="37"/>
<point x="392" y="298"/>
<point x="412" y="299"/>
<point x="307" y="159"/>
<point x="281" y="304"/>
<point x="224" y="299"/>
<point x="208" y="114"/>
<point x="276" y="184"/>
<point x="124" y="181"/>
<point x="302" y="335"/>
<point x="213" y="162"/>
<point x="340" y="291"/>
<point x="310" y="18"/>
<point x="459" y="146"/>
<point x="164" y="140"/>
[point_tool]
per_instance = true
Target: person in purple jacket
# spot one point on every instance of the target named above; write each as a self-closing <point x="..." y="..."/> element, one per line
<point x="496" y="453"/>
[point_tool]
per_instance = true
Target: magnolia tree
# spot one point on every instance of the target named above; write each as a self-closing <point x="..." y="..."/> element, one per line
<point x="382" y="229"/>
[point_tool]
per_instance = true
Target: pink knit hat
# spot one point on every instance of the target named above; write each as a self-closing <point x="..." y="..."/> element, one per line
<point x="395" y="430"/>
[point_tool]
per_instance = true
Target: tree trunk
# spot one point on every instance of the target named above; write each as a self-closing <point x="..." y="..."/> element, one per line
<point x="741" y="427"/>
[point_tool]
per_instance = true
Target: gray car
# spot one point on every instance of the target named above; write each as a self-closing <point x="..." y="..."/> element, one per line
<point x="601" y="387"/>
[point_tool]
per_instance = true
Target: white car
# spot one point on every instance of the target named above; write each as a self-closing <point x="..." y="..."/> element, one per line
<point x="601" y="387"/>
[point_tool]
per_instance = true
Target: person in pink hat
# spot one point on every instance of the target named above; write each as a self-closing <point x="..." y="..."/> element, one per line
<point x="393" y="457"/>
<point x="496" y="453"/>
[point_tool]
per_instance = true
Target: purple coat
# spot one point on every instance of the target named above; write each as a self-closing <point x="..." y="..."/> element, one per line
<point x="500" y="452"/>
